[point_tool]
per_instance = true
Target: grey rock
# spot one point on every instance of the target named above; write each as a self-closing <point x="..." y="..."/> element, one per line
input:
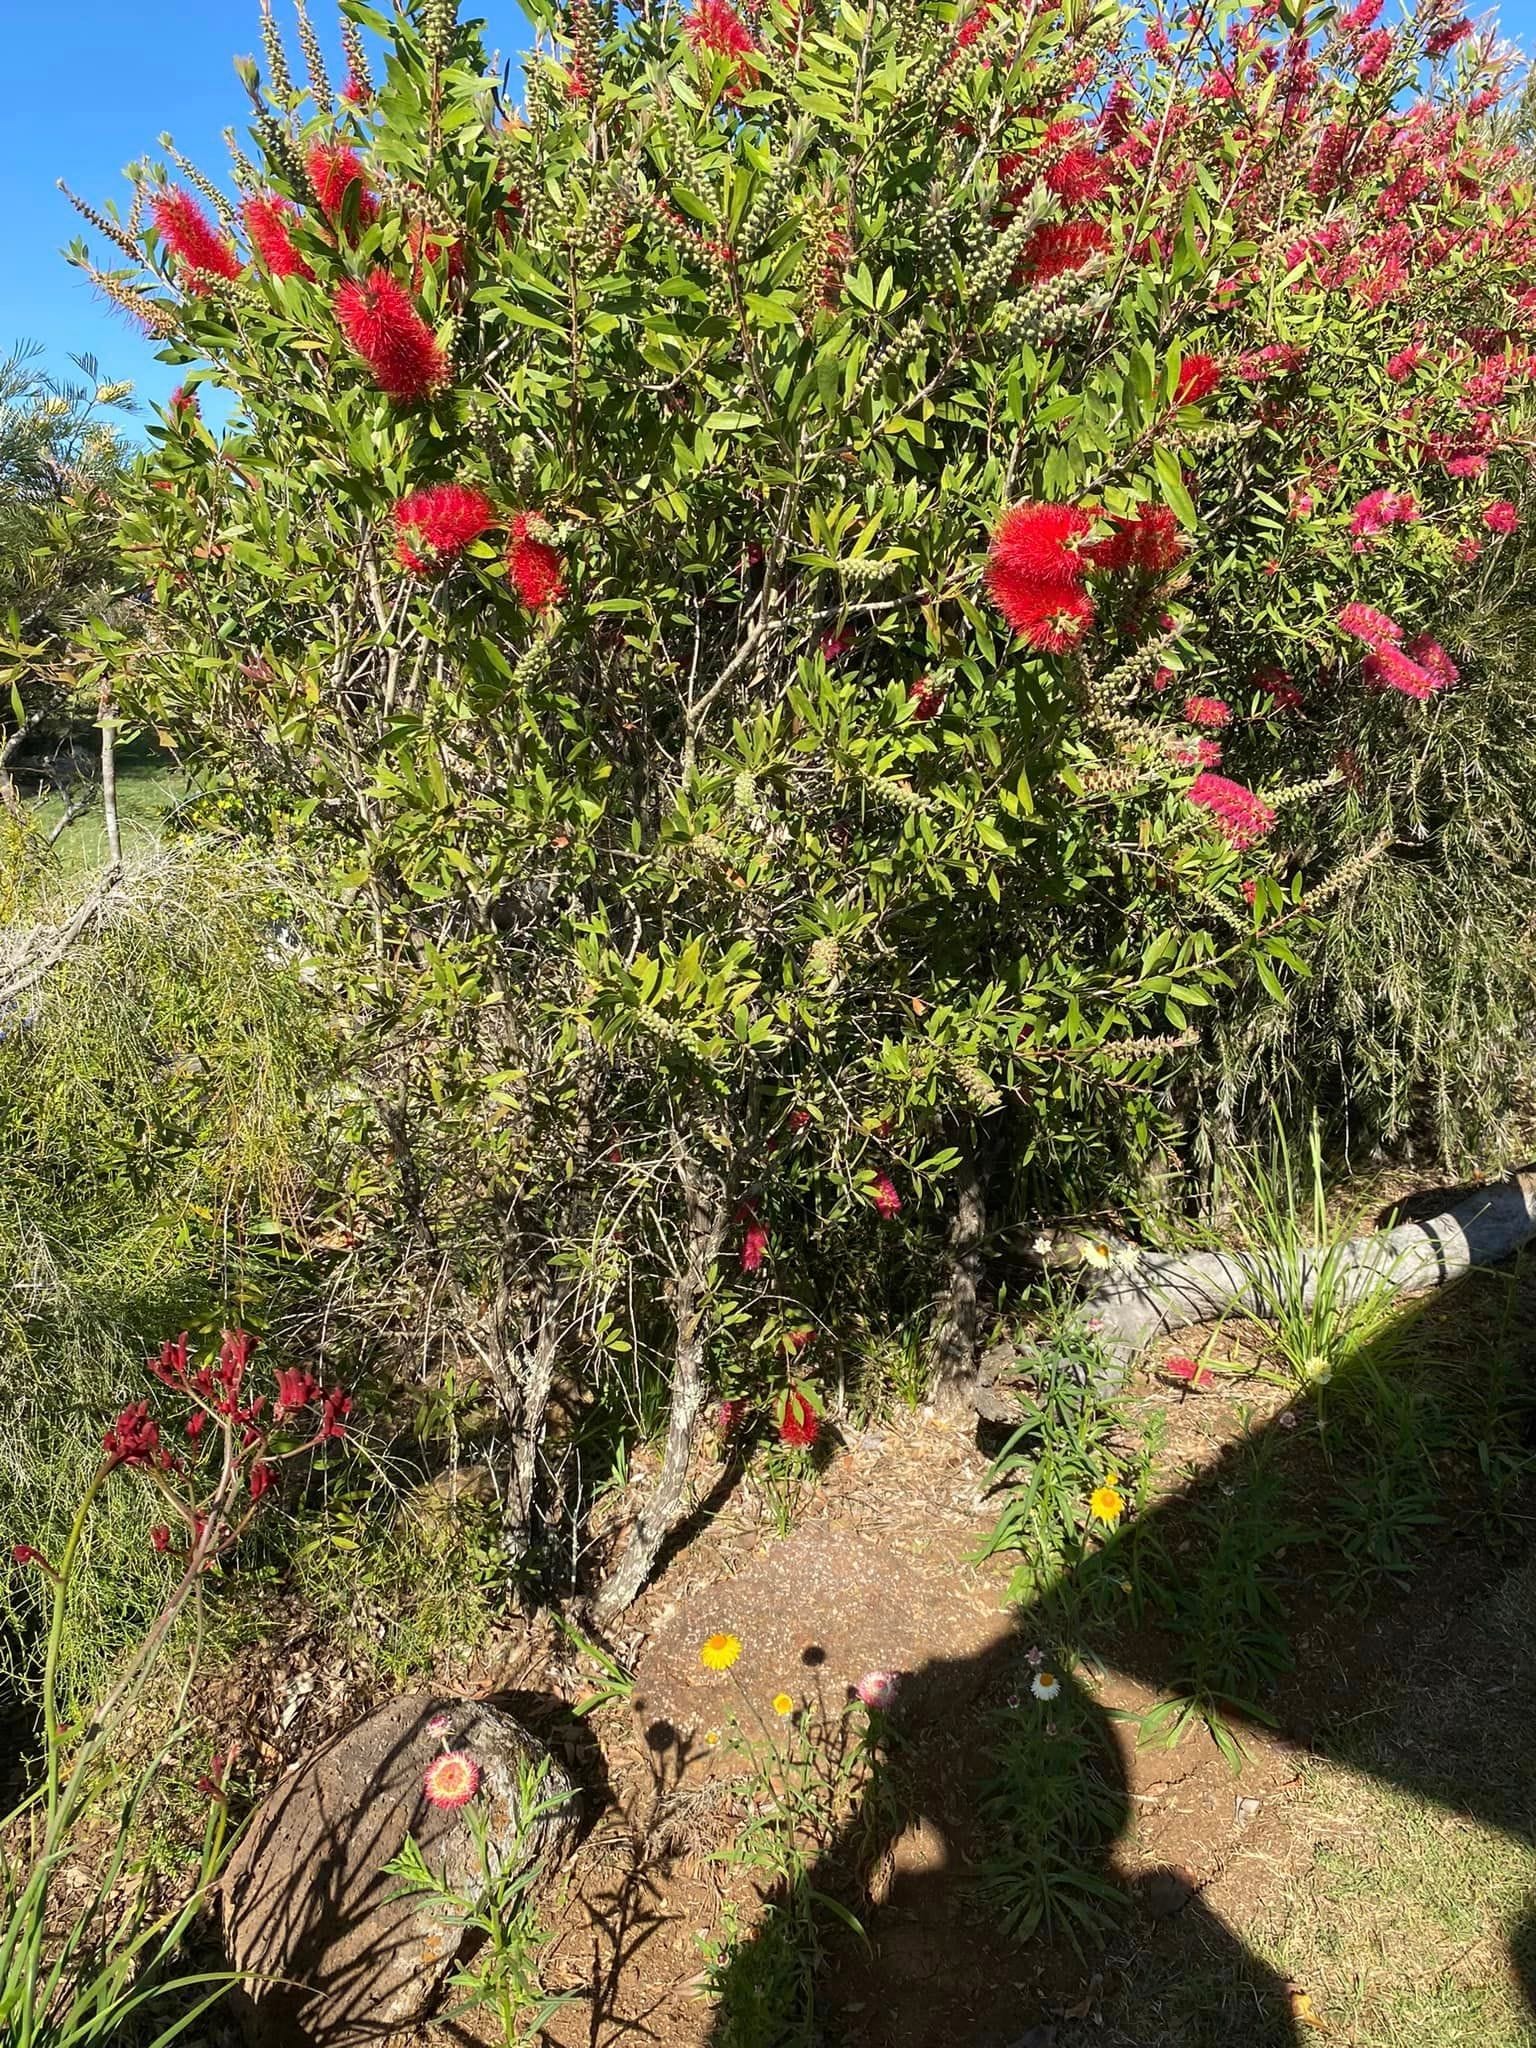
<point x="332" y="1957"/>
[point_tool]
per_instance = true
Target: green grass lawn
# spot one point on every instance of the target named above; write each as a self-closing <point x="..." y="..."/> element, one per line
<point x="148" y="786"/>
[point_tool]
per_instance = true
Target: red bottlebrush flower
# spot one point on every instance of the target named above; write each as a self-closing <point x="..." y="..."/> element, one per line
<point x="1203" y="754"/>
<point x="884" y="1195"/>
<point x="1431" y="656"/>
<point x="1052" y="618"/>
<point x="926" y="699"/>
<point x="133" y="1439"/>
<point x="754" y="1245"/>
<point x="1190" y="1372"/>
<point x="1364" y="622"/>
<point x="1037" y="543"/>
<point x="533" y="567"/>
<point x="1241" y="816"/>
<point x="357" y="92"/>
<point x="190" y="236"/>
<point x="1468" y="548"/>
<point x="1360" y="18"/>
<point x="333" y="170"/>
<point x="182" y="403"/>
<point x="170" y="1368"/>
<point x="160" y="1538"/>
<point x="1278" y="687"/>
<point x="1078" y="177"/>
<point x="795" y="1341"/>
<point x="715" y="27"/>
<point x="427" y="246"/>
<point x="1159" y="543"/>
<point x="974" y="25"/>
<point x="436" y="524"/>
<point x="835" y="645"/>
<point x="1382" y="509"/>
<point x="334" y="1411"/>
<point x="799" y="1119"/>
<point x="1402" y="366"/>
<point x="385" y="329"/>
<point x="263" y="1479"/>
<point x="1302" y="505"/>
<point x="297" y="1389"/>
<point x="1468" y="462"/>
<point x="266" y="223"/>
<point x="451" y="1780"/>
<point x="1211" y="712"/>
<point x="1199" y="376"/>
<point x="1501" y="516"/>
<point x="1056" y="248"/>
<point x="1161" y="678"/>
<point x="729" y="1417"/>
<point x="799" y="1425"/>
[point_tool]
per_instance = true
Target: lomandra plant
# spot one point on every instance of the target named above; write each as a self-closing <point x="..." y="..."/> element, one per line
<point x="89" y="1936"/>
<point x="804" y="594"/>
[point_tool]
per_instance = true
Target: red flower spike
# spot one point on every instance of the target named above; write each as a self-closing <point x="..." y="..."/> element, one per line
<point x="263" y="1479"/>
<point x="1199" y="377"/>
<point x="926" y="699"/>
<point x="170" y="1368"/>
<point x="1211" y="712"/>
<point x="23" y="1553"/>
<point x="884" y="1195"/>
<point x="436" y="524"/>
<point x="1364" y="622"/>
<point x="715" y="27"/>
<point x="754" y="1246"/>
<point x="191" y="237"/>
<point x="1190" y="1373"/>
<point x="160" y="1538"/>
<point x="534" y="568"/>
<point x="381" y="324"/>
<point x="333" y="1414"/>
<point x="333" y="170"/>
<point x="800" y="1425"/>
<point x="133" y="1438"/>
<point x="297" y="1389"/>
<point x="266" y="223"/>
<point x="1501" y="516"/>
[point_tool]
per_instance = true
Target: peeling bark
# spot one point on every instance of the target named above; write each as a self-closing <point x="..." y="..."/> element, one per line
<point x="708" y="1213"/>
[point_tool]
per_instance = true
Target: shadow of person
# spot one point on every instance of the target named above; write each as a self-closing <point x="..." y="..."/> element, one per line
<point x="1029" y="1874"/>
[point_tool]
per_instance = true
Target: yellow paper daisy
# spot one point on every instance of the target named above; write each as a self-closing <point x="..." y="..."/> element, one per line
<point x="719" y="1653"/>
<point x="1106" y="1504"/>
<point x="783" y="1705"/>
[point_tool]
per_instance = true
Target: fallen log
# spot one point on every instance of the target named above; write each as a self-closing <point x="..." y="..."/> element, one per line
<point x="1145" y="1294"/>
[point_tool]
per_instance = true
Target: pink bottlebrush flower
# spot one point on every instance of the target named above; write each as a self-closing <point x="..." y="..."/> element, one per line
<point x="452" y="1779"/>
<point x="1212" y="712"/>
<point x="1382" y="509"/>
<point x="1388" y="668"/>
<point x="333" y="170"/>
<point x="878" y="1689"/>
<point x="1432" y="657"/>
<point x="1241" y="816"/>
<point x="1468" y="548"/>
<point x="190" y="236"/>
<point x="1361" y="18"/>
<point x="1162" y="677"/>
<point x="834" y="646"/>
<point x="381" y="324"/>
<point x="1203" y="754"/>
<point x="1441" y="41"/>
<point x="1402" y="366"/>
<point x="729" y="1417"/>
<point x="436" y="524"/>
<point x="356" y="92"/>
<point x="883" y="1193"/>
<point x="1468" y="462"/>
<point x="799" y="1425"/>
<point x="266" y="224"/>
<point x="1199" y="377"/>
<point x="534" y="568"/>
<point x="1501" y="516"/>
<point x="1364" y="622"/>
<point x="1375" y="51"/>
<point x="926" y="699"/>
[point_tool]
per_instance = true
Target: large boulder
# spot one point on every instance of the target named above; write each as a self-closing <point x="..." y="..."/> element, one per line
<point x="331" y="1955"/>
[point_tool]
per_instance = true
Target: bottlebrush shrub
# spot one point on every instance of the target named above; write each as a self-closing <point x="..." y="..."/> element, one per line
<point x="1039" y="358"/>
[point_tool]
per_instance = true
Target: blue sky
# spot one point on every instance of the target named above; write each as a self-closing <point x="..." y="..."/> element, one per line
<point x="87" y="89"/>
<point x="92" y="86"/>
